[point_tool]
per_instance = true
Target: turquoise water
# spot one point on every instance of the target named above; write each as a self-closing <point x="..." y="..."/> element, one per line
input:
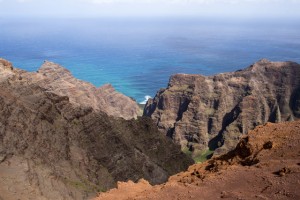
<point x="138" y="56"/>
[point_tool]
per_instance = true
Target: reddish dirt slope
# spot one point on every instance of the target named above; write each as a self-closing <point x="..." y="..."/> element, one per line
<point x="264" y="165"/>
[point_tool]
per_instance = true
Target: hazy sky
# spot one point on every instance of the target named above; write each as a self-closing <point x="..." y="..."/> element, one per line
<point x="136" y="8"/>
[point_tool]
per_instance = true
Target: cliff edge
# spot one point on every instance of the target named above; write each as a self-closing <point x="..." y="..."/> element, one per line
<point x="206" y="114"/>
<point x="264" y="165"/>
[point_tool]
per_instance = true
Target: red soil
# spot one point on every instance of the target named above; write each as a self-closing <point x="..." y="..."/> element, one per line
<point x="264" y="165"/>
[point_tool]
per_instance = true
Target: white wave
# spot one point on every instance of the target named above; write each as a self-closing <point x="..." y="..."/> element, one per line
<point x="146" y="99"/>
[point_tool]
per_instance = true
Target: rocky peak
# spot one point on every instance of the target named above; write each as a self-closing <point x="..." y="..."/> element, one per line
<point x="5" y="65"/>
<point x="182" y="79"/>
<point x="107" y="87"/>
<point x="263" y="61"/>
<point x="6" y="69"/>
<point x="266" y="64"/>
<point x="57" y="79"/>
<point x="53" y="70"/>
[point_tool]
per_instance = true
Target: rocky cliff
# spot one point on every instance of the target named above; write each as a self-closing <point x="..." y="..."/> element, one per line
<point x="58" y="140"/>
<point x="208" y="113"/>
<point x="264" y="165"/>
<point x="54" y="78"/>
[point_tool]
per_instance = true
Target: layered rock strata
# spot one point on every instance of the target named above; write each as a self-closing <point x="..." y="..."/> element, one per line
<point x="202" y="113"/>
<point x="57" y="141"/>
<point x="54" y="78"/>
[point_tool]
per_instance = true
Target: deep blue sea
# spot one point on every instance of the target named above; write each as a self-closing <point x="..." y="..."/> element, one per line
<point x="137" y="56"/>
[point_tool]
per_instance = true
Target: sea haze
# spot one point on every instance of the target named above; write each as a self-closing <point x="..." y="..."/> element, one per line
<point x="137" y="56"/>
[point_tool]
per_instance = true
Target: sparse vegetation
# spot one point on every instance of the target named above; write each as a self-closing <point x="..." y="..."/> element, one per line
<point x="78" y="185"/>
<point x="202" y="156"/>
<point x="198" y="156"/>
<point x="187" y="151"/>
<point x="83" y="185"/>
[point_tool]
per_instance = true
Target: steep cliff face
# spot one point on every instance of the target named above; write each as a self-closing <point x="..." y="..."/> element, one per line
<point x="56" y="144"/>
<point x="203" y="113"/>
<point x="54" y="78"/>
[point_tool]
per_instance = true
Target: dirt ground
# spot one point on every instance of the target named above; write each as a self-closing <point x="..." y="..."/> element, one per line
<point x="264" y="165"/>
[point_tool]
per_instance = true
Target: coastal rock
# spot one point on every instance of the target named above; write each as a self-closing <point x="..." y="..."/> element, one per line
<point x="56" y="142"/>
<point x="59" y="80"/>
<point x="211" y="113"/>
<point x="56" y="79"/>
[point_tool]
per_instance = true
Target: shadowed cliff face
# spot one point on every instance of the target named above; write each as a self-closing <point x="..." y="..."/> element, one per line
<point x="201" y="112"/>
<point x="56" y="142"/>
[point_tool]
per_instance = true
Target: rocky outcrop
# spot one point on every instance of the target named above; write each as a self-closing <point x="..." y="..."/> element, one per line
<point x="56" y="142"/>
<point x="202" y="113"/>
<point x="264" y="165"/>
<point x="56" y="79"/>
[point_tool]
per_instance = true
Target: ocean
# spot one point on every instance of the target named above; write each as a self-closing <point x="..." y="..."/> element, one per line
<point x="137" y="56"/>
